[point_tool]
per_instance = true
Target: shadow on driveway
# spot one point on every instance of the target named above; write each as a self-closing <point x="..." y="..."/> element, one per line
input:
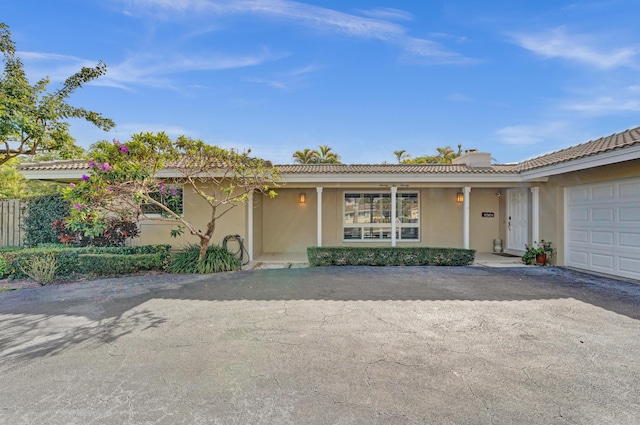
<point x="101" y="311"/>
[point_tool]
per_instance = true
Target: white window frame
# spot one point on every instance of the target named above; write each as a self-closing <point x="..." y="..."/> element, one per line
<point x="169" y="186"/>
<point x="381" y="226"/>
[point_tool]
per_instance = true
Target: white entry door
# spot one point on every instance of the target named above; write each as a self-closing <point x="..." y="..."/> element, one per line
<point x="602" y="231"/>
<point x="517" y="224"/>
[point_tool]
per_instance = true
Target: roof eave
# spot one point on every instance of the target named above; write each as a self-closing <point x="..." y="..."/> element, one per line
<point x="606" y="158"/>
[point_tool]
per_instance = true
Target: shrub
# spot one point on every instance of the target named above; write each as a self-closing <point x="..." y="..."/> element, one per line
<point x="389" y="256"/>
<point x="9" y="248"/>
<point x="41" y="211"/>
<point x="19" y="261"/>
<point x="67" y="258"/>
<point x="116" y="264"/>
<point x="4" y="268"/>
<point x="216" y="260"/>
<point x="41" y="268"/>
<point x="116" y="231"/>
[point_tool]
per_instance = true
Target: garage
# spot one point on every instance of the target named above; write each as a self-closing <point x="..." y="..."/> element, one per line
<point x="603" y="227"/>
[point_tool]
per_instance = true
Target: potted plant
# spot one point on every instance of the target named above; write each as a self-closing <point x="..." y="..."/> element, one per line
<point x="538" y="253"/>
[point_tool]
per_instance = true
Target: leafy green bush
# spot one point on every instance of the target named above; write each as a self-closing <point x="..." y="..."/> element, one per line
<point x="19" y="261"/>
<point x="42" y="268"/>
<point x="9" y="248"/>
<point x="389" y="256"/>
<point x="117" y="264"/>
<point x="67" y="261"/>
<point x="216" y="260"/>
<point x="41" y="211"/>
<point x="4" y="268"/>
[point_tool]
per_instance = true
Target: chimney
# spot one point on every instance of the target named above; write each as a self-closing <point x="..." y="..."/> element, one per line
<point x="474" y="159"/>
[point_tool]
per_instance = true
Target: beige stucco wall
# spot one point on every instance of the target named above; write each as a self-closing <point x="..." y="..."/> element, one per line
<point x="197" y="212"/>
<point x="483" y="230"/>
<point x="287" y="225"/>
<point x="258" y="226"/>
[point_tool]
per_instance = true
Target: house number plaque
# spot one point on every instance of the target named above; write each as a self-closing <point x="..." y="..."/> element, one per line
<point x="488" y="214"/>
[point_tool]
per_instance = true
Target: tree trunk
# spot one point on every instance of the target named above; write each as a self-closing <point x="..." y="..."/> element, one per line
<point x="204" y="245"/>
<point x="206" y="239"/>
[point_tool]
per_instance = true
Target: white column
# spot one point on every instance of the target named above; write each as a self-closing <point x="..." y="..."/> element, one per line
<point x="535" y="213"/>
<point x="319" y="190"/>
<point x="250" y="226"/>
<point x="465" y="216"/>
<point x="394" y="190"/>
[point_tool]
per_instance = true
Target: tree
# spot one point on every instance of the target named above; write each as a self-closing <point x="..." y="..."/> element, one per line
<point x="124" y="180"/>
<point x="306" y="156"/>
<point x="32" y="120"/>
<point x="401" y="155"/>
<point x="325" y="156"/>
<point x="445" y="155"/>
<point x="15" y="186"/>
<point x="322" y="155"/>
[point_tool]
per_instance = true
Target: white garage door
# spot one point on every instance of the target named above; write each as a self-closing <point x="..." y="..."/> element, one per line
<point x="603" y="227"/>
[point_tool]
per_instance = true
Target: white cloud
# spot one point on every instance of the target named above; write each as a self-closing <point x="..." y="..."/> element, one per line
<point x="604" y="105"/>
<point x="378" y="26"/>
<point x="557" y="43"/>
<point x="286" y="80"/>
<point x="143" y="69"/>
<point x="124" y="131"/>
<point x="388" y="13"/>
<point x="527" y="135"/>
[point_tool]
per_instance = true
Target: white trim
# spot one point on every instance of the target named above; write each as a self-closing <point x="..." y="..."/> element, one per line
<point x="154" y="216"/>
<point x="535" y="213"/>
<point x="465" y="216"/>
<point x="597" y="160"/>
<point x="381" y="225"/>
<point x="394" y="214"/>
<point x="319" y="215"/>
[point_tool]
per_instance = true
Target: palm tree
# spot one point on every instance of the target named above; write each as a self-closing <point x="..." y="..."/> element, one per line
<point x="400" y="155"/>
<point x="306" y="156"/>
<point x="325" y="156"/>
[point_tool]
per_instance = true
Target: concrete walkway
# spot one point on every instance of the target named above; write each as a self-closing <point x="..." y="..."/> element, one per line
<point x="352" y="345"/>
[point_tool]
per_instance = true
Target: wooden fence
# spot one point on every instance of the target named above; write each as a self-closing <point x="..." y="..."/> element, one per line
<point x="10" y="219"/>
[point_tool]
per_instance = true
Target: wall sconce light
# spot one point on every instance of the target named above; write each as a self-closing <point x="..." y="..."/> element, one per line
<point x="459" y="197"/>
<point x="303" y="198"/>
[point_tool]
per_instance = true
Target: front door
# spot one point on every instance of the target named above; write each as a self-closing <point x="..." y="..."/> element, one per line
<point x="517" y="224"/>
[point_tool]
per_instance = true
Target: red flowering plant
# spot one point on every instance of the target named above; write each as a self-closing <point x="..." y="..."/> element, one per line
<point x="535" y="249"/>
<point x="123" y="181"/>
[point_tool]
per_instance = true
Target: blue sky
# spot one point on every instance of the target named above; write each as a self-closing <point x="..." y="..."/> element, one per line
<point x="514" y="78"/>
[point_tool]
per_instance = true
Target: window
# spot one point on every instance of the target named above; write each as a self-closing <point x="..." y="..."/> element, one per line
<point x="367" y="216"/>
<point x="171" y="196"/>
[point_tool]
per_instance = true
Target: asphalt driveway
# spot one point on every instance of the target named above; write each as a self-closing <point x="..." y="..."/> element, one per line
<point x="414" y="345"/>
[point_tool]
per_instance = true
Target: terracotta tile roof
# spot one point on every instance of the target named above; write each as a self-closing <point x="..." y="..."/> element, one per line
<point x="71" y="164"/>
<point x="621" y="140"/>
<point x="604" y="144"/>
<point x="393" y="169"/>
<point x="319" y="168"/>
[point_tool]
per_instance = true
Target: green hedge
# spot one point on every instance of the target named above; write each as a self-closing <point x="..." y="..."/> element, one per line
<point x="116" y="264"/>
<point x="389" y="256"/>
<point x="67" y="260"/>
<point x="41" y="211"/>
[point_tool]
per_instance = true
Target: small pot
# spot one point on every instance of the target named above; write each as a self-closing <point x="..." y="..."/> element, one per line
<point x="541" y="259"/>
<point x="497" y="245"/>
